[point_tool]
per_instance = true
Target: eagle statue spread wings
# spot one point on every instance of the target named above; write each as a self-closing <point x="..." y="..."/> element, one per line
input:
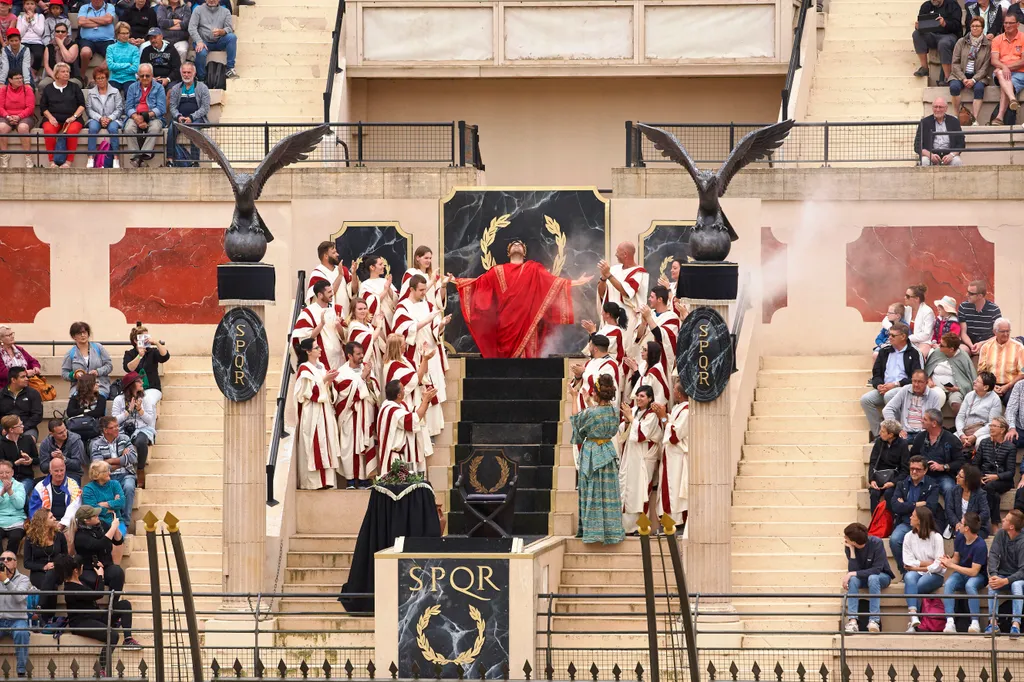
<point x="246" y="240"/>
<point x="713" y="234"/>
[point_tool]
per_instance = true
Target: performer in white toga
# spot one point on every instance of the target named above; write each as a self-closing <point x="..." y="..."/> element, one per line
<point x="422" y="325"/>
<point x="323" y="322"/>
<point x="316" y="439"/>
<point x="356" y="409"/>
<point x="397" y="427"/>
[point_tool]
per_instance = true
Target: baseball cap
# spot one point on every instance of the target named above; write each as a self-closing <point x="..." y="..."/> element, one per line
<point x="6" y="2"/>
<point x="155" y="31"/>
<point x="13" y="32"/>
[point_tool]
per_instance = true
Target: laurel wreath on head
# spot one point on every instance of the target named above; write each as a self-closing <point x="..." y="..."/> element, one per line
<point x="550" y="224"/>
<point x="474" y="467"/>
<point x="665" y="263"/>
<point x="464" y="658"/>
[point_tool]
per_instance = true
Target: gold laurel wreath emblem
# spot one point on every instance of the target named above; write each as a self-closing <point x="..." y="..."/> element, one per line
<point x="550" y="224"/>
<point x="474" y="466"/>
<point x="358" y="261"/>
<point x="464" y="658"/>
<point x="664" y="265"/>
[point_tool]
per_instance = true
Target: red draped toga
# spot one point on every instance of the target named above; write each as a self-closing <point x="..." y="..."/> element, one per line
<point x="510" y="308"/>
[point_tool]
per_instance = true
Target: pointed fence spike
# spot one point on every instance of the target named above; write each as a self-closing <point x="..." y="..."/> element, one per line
<point x="915" y="674"/>
<point x="711" y="671"/>
<point x="460" y="671"/>
<point x="282" y="668"/>
<point x="75" y="668"/>
<point x="983" y="675"/>
<point x="349" y="668"/>
<point x="891" y="672"/>
<point x="571" y="670"/>
<point x="869" y="674"/>
<point x="97" y="669"/>
<point x="823" y="671"/>
<point x="504" y="671"/>
<point x="393" y="670"/>
<point x="937" y="674"/>
<point x="304" y="669"/>
<point x="846" y="673"/>
<point x="51" y="668"/>
<point x="527" y="671"/>
<point x="119" y="668"/>
<point x="639" y="670"/>
<point x="371" y="670"/>
<point x="734" y="670"/>
<point x="437" y="671"/>
<point x="326" y="667"/>
<point x="1007" y="676"/>
<point x="481" y="671"/>
<point x="549" y="672"/>
<point x="594" y="671"/>
<point x="617" y="672"/>
<point x="778" y="671"/>
<point x="960" y="674"/>
<point x="237" y="667"/>
<point x="756" y="671"/>
<point x="143" y="668"/>
<point x="215" y="668"/>
<point x="415" y="669"/>
<point x="801" y="671"/>
<point x="259" y="668"/>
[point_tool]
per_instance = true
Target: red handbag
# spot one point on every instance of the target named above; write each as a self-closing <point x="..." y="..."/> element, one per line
<point x="881" y="521"/>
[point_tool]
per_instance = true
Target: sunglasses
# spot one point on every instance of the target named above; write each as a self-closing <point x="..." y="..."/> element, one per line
<point x="7" y="558"/>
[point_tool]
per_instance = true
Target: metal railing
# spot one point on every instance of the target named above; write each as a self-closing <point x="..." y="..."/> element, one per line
<point x="37" y="144"/>
<point x="794" y="57"/>
<point x="277" y="431"/>
<point x="332" y="66"/>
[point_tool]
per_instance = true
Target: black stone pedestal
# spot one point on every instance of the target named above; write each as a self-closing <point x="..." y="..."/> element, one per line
<point x="245" y="282"/>
<point x="709" y="280"/>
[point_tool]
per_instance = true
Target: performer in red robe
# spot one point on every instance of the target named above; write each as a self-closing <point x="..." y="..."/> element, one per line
<point x="511" y="308"/>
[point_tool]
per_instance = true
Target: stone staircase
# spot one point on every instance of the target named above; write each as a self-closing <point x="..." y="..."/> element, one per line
<point x="865" y="65"/>
<point x="283" y="54"/>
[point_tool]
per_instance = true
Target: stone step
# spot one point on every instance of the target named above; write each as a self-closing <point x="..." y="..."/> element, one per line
<point x="621" y="561"/>
<point x="775" y="482"/>
<point x="848" y="437"/>
<point x="824" y="94"/>
<point x="322" y="543"/>
<point x="196" y="559"/>
<point x="898" y="83"/>
<point x="807" y="394"/>
<point x="330" y="640"/>
<point x="628" y="581"/>
<point x="198" y="393"/>
<point x="262" y="83"/>
<point x="289" y="43"/>
<point x="631" y="545"/>
<point x="185" y="452"/>
<point x="824" y="423"/>
<point x="799" y="468"/>
<point x="249" y="118"/>
<point x="182" y="482"/>
<point x="828" y="71"/>
<point x="350" y="503"/>
<point x="176" y="378"/>
<point x="160" y="467"/>
<point x="809" y="579"/>
<point x="191" y="436"/>
<point x="776" y="529"/>
<point x="251" y="59"/>
<point x="897" y="18"/>
<point x="840" y="30"/>
<point x="769" y="378"/>
<point x="319" y="559"/>
<point x="280" y="110"/>
<point x="312" y="588"/>
<point x="208" y="422"/>
<point x="830" y="111"/>
<point x="192" y="543"/>
<point x="340" y="623"/>
<point x="807" y="408"/>
<point x="789" y="497"/>
<point x="193" y="407"/>
<point x="312" y="26"/>
<point x="299" y="100"/>
<point x="269" y="69"/>
<point x="190" y="512"/>
<point x="317" y="576"/>
<point x="858" y="44"/>
<point x="793" y="514"/>
<point x="634" y="625"/>
<point x="602" y="606"/>
<point x="212" y="577"/>
<point x="795" y="544"/>
<point x="293" y="12"/>
<point x="192" y="527"/>
<point x="815" y="453"/>
<point x="834" y="561"/>
<point x="311" y="606"/>
<point x="634" y="587"/>
<point x="817" y="362"/>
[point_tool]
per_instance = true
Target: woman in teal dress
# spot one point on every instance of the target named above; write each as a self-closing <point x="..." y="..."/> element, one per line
<point x="600" y="505"/>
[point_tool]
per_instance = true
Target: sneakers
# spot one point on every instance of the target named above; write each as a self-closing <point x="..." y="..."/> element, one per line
<point x="975" y="627"/>
<point x="131" y="644"/>
<point x="117" y="164"/>
<point x="5" y="160"/>
<point x="28" y="162"/>
<point x="231" y="73"/>
<point x="988" y="630"/>
<point x="950" y="626"/>
<point x="851" y="625"/>
<point x="1015" y="630"/>
<point x="873" y="626"/>
<point x="923" y="71"/>
<point x="91" y="163"/>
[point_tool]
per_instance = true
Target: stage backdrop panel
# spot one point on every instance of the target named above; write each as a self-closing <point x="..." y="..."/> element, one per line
<point x="663" y="242"/>
<point x="357" y="239"/>
<point x="581" y="215"/>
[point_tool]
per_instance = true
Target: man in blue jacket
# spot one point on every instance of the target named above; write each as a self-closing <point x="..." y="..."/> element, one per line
<point x="868" y="567"/>
<point x="917" y="490"/>
<point x="146" y="107"/>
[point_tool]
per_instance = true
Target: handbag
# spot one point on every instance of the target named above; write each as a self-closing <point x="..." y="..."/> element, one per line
<point x="85" y="426"/>
<point x="881" y="521"/>
<point x="883" y="476"/>
<point x="46" y="391"/>
<point x="932" y="623"/>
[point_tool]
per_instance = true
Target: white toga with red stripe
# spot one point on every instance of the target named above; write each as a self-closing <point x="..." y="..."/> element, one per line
<point x="668" y="325"/>
<point x="356" y="409"/>
<point x="655" y="378"/>
<point x="372" y="291"/>
<point x="408" y="316"/>
<point x="403" y="372"/>
<point x="372" y="352"/>
<point x="673" y="490"/>
<point x="634" y="282"/>
<point x="594" y="368"/>
<point x="329" y="339"/>
<point x="641" y="451"/>
<point x="316" y="439"/>
<point x="339" y="278"/>
<point x="397" y="431"/>
<point x="435" y="292"/>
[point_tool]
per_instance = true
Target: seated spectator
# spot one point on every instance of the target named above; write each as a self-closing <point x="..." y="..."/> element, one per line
<point x="44" y="542"/>
<point x="913" y="492"/>
<point x="144" y="358"/>
<point x="106" y="110"/>
<point x="173" y="17"/>
<point x="910" y="404"/>
<point x="211" y="28"/>
<point x="895" y="314"/>
<point x="136" y="416"/>
<point x="980" y="406"/>
<point x="32" y="26"/>
<point x="117" y="451"/>
<point x="1006" y="567"/>
<point x="1008" y="66"/>
<point x="12" y="355"/>
<point x="919" y="316"/>
<point x="145" y="105"/>
<point x="951" y="370"/>
<point x="122" y="59"/>
<point x="965" y="571"/>
<point x="991" y="16"/>
<point x="19" y="450"/>
<point x="95" y="540"/>
<point x="943" y="39"/>
<point x="938" y="141"/>
<point x="20" y="399"/>
<point x="995" y="457"/>
<point x="86" y="618"/>
<point x="95" y="30"/>
<point x="87" y="357"/>
<point x="977" y="316"/>
<point x="189" y="103"/>
<point x="941" y="450"/>
<point x="867" y="567"/>
<point x="945" y="320"/>
<point x="63" y="106"/>
<point x="967" y="496"/>
<point x="1004" y="357"/>
<point x="17" y="109"/>
<point x="893" y="367"/>
<point x="107" y="497"/>
<point x="14" y="608"/>
<point x="57" y="492"/>
<point x="163" y="58"/>
<point x="61" y="49"/>
<point x="8" y="20"/>
<point x="56" y="16"/>
<point x="141" y="18"/>
<point x="922" y="560"/>
<point x="12" y="508"/>
<point x="66" y="445"/>
<point x="15" y="57"/>
<point x="888" y="463"/>
<point x="86" y="400"/>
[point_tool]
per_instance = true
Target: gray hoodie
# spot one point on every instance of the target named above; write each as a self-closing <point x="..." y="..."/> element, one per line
<point x="1006" y="556"/>
<point x="204" y="20"/>
<point x="110" y="105"/>
<point x="15" y="606"/>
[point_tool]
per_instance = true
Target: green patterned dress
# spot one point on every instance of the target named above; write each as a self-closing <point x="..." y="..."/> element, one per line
<point x="600" y="505"/>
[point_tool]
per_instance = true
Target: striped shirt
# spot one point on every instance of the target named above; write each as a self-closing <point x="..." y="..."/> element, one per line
<point x="979" y="325"/>
<point x="1005" y="361"/>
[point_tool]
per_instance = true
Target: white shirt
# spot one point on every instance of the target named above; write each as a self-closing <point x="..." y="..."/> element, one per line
<point x="918" y="552"/>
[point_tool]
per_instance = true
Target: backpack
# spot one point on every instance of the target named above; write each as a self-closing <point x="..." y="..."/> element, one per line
<point x="104" y="159"/>
<point x="932" y="623"/>
<point x="216" y="76"/>
<point x="881" y="521"/>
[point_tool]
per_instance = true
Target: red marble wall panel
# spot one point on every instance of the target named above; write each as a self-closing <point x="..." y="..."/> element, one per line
<point x="167" y="275"/>
<point x="774" y="274"/>
<point x="24" y="274"/>
<point x="883" y="261"/>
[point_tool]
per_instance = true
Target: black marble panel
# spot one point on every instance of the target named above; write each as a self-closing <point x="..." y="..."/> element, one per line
<point x="501" y="434"/>
<point x="705" y="354"/>
<point x="663" y="243"/>
<point x="508" y="368"/>
<point x="510" y="389"/>
<point x="527" y="500"/>
<point x="523" y="523"/>
<point x="539" y="477"/>
<point x="240" y="354"/>
<point x="580" y="213"/>
<point x="528" y="411"/>
<point x="358" y="240"/>
<point x="526" y="455"/>
<point x="452" y="609"/>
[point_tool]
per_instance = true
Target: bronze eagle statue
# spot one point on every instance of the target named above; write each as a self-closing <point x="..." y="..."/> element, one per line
<point x="247" y="238"/>
<point x="713" y="234"/>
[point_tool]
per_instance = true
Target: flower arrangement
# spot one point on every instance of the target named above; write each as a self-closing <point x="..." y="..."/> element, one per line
<point x="399" y="474"/>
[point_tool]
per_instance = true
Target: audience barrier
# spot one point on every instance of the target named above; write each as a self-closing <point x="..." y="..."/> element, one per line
<point x="287" y="369"/>
<point x="333" y="68"/>
<point x="806" y="6"/>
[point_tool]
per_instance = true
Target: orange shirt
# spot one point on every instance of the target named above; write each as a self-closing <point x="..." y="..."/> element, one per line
<point x="1006" y="361"/>
<point x="1009" y="51"/>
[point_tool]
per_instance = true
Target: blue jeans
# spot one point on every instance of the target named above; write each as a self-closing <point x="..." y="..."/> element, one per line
<point x="1017" y="589"/>
<point x="957" y="582"/>
<point x="896" y="544"/>
<point x="18" y="629"/>
<point x="876" y="583"/>
<point x="127" y="482"/>
<point x="94" y="129"/>
<point x="227" y="42"/>
<point x="955" y="87"/>
<point x="946" y="483"/>
<point x="915" y="582"/>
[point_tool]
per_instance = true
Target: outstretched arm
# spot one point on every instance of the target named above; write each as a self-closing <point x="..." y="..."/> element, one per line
<point x="582" y="280"/>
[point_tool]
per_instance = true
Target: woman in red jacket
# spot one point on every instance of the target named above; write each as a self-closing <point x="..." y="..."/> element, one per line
<point x="17" y="104"/>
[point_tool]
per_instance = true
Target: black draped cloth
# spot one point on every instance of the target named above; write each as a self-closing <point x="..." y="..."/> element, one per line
<point x="393" y="511"/>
